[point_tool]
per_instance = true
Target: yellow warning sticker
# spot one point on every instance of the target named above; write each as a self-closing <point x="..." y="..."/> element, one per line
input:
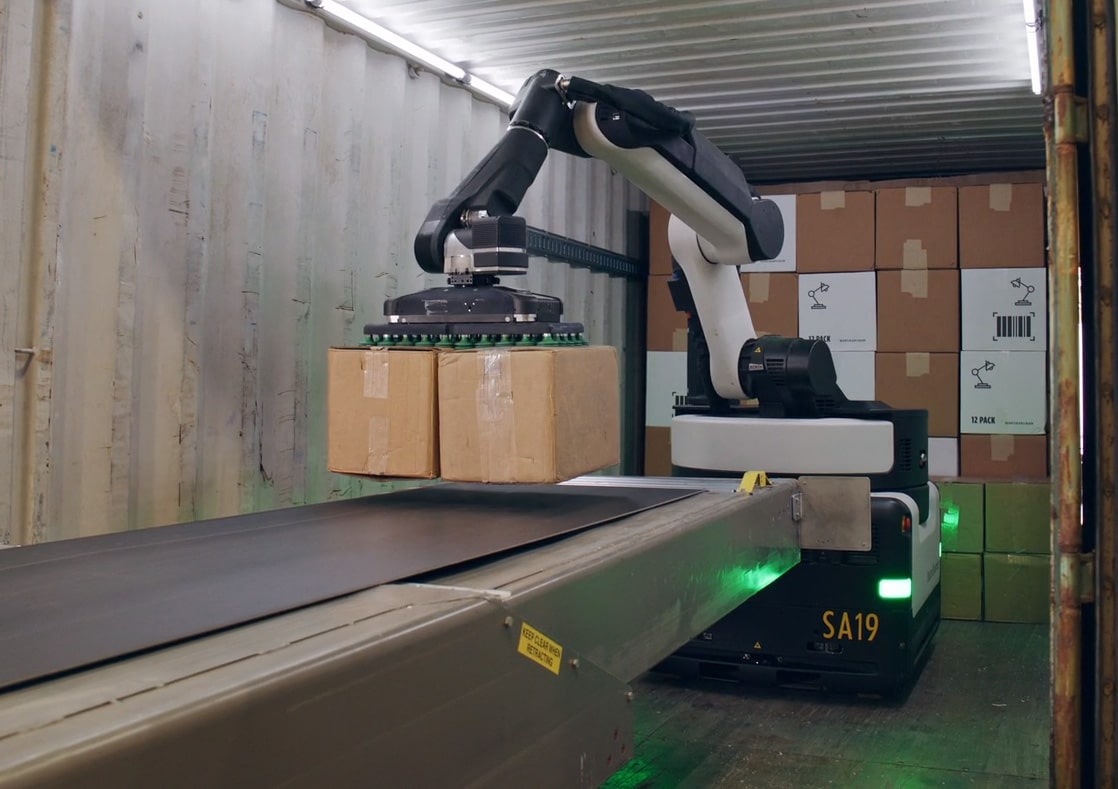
<point x="757" y="645"/>
<point x="538" y="648"/>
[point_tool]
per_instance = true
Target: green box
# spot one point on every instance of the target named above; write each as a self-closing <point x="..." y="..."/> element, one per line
<point x="1016" y="587"/>
<point x="962" y="517"/>
<point x="1018" y="517"/>
<point x="961" y="586"/>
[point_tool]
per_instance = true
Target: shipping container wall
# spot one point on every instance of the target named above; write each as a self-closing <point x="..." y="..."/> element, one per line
<point x="196" y="200"/>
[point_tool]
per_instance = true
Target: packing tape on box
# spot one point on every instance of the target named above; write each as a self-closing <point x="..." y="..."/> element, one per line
<point x="377" y="461"/>
<point x="829" y="201"/>
<point x="916" y="196"/>
<point x="1001" y="448"/>
<point x="374" y="370"/>
<point x="913" y="254"/>
<point x="917" y="365"/>
<point x="758" y="287"/>
<point x="1001" y="197"/>
<point x="914" y="282"/>
<point x="496" y="414"/>
<point x="679" y="340"/>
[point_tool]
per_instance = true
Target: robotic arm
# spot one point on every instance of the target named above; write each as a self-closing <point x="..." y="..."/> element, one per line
<point x="718" y="224"/>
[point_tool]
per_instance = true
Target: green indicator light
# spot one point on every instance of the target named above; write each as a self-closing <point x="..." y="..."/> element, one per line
<point x="941" y="550"/>
<point x="894" y="588"/>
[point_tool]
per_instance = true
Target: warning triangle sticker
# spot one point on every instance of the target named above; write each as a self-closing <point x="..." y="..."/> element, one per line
<point x="756" y="644"/>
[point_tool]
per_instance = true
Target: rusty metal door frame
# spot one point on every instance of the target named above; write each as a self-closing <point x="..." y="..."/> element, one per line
<point x="1079" y="120"/>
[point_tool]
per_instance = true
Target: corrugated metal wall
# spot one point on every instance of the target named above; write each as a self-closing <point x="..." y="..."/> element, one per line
<point x="196" y="200"/>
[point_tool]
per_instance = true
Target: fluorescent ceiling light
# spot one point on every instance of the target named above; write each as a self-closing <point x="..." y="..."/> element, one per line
<point x="492" y="91"/>
<point x="1031" y="32"/>
<point x="410" y="50"/>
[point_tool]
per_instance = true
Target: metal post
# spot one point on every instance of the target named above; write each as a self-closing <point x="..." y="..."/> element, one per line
<point x="1062" y="136"/>
<point x="1102" y="416"/>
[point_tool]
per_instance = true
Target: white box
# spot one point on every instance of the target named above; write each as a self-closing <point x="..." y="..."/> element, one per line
<point x="666" y="376"/>
<point x="943" y="457"/>
<point x="1003" y="393"/>
<point x="1004" y="309"/>
<point x="840" y="309"/>
<point x="786" y="258"/>
<point x="857" y="374"/>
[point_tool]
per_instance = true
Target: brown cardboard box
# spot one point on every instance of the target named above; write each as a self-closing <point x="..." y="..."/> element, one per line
<point x="962" y="527"/>
<point x="773" y="303"/>
<point x="918" y="310"/>
<point x="961" y="586"/>
<point x="657" y="451"/>
<point x="1017" y="587"/>
<point x="998" y="458"/>
<point x="917" y="228"/>
<point x="835" y="232"/>
<point x="667" y="326"/>
<point x="1018" y="517"/>
<point x="922" y="380"/>
<point x="659" y="251"/>
<point x="1001" y="226"/>
<point x="531" y="415"/>
<point x="382" y="412"/>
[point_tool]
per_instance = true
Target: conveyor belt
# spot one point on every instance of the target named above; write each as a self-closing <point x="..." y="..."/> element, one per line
<point x="81" y="602"/>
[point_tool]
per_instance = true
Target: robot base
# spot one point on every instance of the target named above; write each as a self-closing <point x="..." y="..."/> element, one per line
<point x="829" y="623"/>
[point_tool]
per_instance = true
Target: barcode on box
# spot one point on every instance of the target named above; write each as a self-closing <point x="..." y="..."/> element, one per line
<point x="1013" y="327"/>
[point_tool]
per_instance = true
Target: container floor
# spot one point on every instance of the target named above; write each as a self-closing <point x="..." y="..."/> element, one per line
<point x="978" y="716"/>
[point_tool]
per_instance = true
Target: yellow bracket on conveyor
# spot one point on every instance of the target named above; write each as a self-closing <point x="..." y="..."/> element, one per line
<point x="751" y="480"/>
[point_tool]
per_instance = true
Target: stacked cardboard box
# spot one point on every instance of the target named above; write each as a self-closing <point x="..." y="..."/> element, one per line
<point x="501" y="415"/>
<point x="930" y="295"/>
<point x="835" y="263"/>
<point x="1003" y="365"/>
<point x="995" y="539"/>
<point x="918" y="311"/>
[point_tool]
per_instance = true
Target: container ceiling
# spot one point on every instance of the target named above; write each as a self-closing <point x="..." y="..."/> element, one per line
<point x="791" y="89"/>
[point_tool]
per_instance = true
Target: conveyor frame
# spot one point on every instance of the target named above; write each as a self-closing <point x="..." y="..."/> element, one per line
<point x="417" y="684"/>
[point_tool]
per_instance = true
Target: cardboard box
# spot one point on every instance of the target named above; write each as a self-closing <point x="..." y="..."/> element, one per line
<point x="528" y="415"/>
<point x="382" y="412"/>
<point x="922" y="380"/>
<point x="772" y="300"/>
<point x="657" y="451"/>
<point x="961" y="586"/>
<point x="917" y="228"/>
<point x="1005" y="309"/>
<point x="667" y="326"/>
<point x="1001" y="226"/>
<point x="1016" y="588"/>
<point x="835" y="232"/>
<point x="963" y="522"/>
<point x="855" y="371"/>
<point x="665" y="377"/>
<point x="1003" y="457"/>
<point x="943" y="457"/>
<point x="1018" y="517"/>
<point x="840" y="309"/>
<point x="918" y="310"/>
<point x="1003" y="393"/>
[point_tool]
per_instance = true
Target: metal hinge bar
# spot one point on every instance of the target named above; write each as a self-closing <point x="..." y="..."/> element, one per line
<point x="1085" y="573"/>
<point x="1072" y="122"/>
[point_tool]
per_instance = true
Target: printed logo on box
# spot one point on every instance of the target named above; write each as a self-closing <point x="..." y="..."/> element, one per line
<point x="1019" y="324"/>
<point x="1003" y="309"/>
<point x="840" y="310"/>
<point x="1003" y="392"/>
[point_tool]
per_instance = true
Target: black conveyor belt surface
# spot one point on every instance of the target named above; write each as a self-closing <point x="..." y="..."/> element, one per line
<point x="76" y="603"/>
